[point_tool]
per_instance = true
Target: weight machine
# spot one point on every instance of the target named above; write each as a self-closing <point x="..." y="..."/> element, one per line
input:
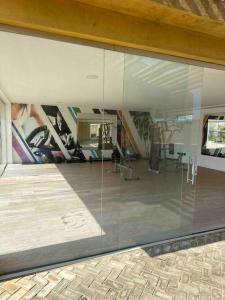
<point x="123" y="164"/>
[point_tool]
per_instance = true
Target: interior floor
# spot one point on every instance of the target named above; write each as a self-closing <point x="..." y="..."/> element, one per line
<point x="45" y="204"/>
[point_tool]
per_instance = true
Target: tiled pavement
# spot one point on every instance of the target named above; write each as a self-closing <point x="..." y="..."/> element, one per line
<point x="194" y="273"/>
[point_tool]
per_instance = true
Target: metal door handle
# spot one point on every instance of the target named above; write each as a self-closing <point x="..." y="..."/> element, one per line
<point x="194" y="172"/>
<point x="192" y="166"/>
<point x="188" y="170"/>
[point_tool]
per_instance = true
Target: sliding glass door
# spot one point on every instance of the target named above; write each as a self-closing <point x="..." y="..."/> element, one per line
<point x="160" y="116"/>
<point x="118" y="135"/>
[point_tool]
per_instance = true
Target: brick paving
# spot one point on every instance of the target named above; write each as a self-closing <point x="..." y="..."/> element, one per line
<point x="193" y="273"/>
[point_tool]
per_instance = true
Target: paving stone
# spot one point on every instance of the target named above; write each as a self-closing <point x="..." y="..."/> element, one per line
<point x="40" y="280"/>
<point x="112" y="294"/>
<point x="124" y="294"/>
<point x="61" y="286"/>
<point x="10" y="287"/>
<point x="4" y="296"/>
<point x="193" y="296"/>
<point x="114" y="274"/>
<point x="163" y="295"/>
<point x="162" y="284"/>
<point x="26" y="283"/>
<point x="185" y="278"/>
<point x="74" y="284"/>
<point x="83" y="290"/>
<point x="192" y="273"/>
<point x="101" y="288"/>
<point x="1" y="290"/>
<point x="102" y="276"/>
<point x="178" y="294"/>
<point x="71" y="294"/>
<point x="87" y="281"/>
<point x="46" y="289"/>
<point x="55" y="296"/>
<point x="98" y="296"/>
<point x="33" y="292"/>
<point x="216" y="294"/>
<point x="52" y="277"/>
<point x="18" y="295"/>
<point x="66" y="274"/>
<point x="113" y="284"/>
<point x="136" y="291"/>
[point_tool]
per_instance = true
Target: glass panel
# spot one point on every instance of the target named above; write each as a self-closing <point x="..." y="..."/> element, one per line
<point x="58" y="212"/>
<point x="192" y="143"/>
<point x="161" y="105"/>
<point x="113" y="92"/>
<point x="135" y="123"/>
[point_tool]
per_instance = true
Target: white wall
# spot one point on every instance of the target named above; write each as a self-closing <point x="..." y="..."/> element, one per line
<point x="190" y="140"/>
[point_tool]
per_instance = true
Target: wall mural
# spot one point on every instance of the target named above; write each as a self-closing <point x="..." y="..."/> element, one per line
<point x="46" y="134"/>
<point x="213" y="137"/>
<point x="33" y="138"/>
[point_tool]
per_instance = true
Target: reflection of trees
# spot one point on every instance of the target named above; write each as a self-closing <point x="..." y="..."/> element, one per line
<point x="216" y="132"/>
<point x="211" y="135"/>
<point x="143" y="122"/>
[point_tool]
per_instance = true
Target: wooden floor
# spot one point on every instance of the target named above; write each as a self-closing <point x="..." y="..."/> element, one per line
<point x="39" y="207"/>
<point x="82" y="212"/>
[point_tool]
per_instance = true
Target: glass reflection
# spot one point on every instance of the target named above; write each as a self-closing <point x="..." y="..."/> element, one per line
<point x="159" y="118"/>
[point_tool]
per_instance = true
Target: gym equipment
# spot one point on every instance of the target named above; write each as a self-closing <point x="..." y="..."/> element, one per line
<point x="122" y="164"/>
<point x="155" y="151"/>
<point x="171" y="148"/>
<point x="179" y="163"/>
<point x="104" y="136"/>
<point x="77" y="154"/>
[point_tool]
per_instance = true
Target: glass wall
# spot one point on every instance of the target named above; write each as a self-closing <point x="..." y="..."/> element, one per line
<point x="151" y="191"/>
<point x="120" y="158"/>
<point x="55" y="211"/>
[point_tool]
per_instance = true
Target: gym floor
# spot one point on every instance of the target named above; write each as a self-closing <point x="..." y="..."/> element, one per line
<point x="73" y="206"/>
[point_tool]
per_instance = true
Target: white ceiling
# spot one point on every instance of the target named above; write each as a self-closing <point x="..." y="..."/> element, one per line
<point x="37" y="70"/>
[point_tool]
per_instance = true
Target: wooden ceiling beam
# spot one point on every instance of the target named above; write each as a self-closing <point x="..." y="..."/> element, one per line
<point x="79" y="20"/>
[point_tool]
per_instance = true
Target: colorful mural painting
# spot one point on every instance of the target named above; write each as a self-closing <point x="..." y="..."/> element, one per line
<point x="45" y="134"/>
<point x="32" y="138"/>
<point x="49" y="133"/>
